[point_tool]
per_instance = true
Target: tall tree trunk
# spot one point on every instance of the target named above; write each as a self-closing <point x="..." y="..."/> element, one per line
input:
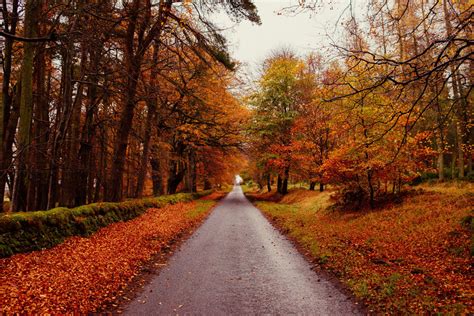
<point x="458" y="98"/>
<point x="9" y="138"/>
<point x="41" y="132"/>
<point x="135" y="47"/>
<point x="19" y="202"/>
<point x="286" y="176"/>
<point x="453" y="165"/>
<point x="207" y="184"/>
<point x="63" y="120"/>
<point x="190" y="177"/>
<point x="371" y="189"/>
<point x="440" y="159"/>
<point x="464" y="118"/>
<point x="125" y="126"/>
<point x="279" y="183"/>
<point x="152" y="105"/>
<point x="156" y="176"/>
<point x="71" y="172"/>
<point x="269" y="183"/>
<point x="84" y="180"/>
<point x="176" y="175"/>
<point x="10" y="23"/>
<point x="434" y="89"/>
<point x="103" y="162"/>
<point x="193" y="173"/>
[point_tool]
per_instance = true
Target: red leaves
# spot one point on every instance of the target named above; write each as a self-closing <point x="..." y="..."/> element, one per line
<point x="82" y="274"/>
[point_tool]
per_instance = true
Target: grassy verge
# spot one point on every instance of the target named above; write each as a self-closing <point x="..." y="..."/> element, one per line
<point x="413" y="257"/>
<point x="29" y="231"/>
<point x="84" y="275"/>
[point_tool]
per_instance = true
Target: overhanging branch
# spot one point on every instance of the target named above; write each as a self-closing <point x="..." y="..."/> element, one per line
<point x="51" y="37"/>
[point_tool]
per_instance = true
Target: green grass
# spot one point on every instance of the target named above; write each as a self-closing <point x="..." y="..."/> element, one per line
<point x="295" y="220"/>
<point x="249" y="187"/>
<point x="201" y="207"/>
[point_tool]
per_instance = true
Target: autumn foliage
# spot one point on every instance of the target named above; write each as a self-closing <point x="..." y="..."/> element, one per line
<point x="107" y="100"/>
<point x="409" y="258"/>
<point x="85" y="274"/>
<point x="391" y="106"/>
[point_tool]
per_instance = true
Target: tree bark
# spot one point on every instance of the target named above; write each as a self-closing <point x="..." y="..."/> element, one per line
<point x="440" y="135"/>
<point x="152" y="107"/>
<point x="22" y="180"/>
<point x="371" y="189"/>
<point x="156" y="176"/>
<point x="39" y="200"/>
<point x="190" y="178"/>
<point x="279" y="184"/>
<point x="284" y="186"/>
<point x="73" y="145"/>
<point x="103" y="162"/>
<point x="84" y="179"/>
<point x="440" y="160"/>
<point x="9" y="138"/>
<point x="176" y="175"/>
<point x="10" y="25"/>
<point x="134" y="52"/>
<point x="207" y="184"/>
<point x="125" y="126"/>
<point x="458" y="98"/>
<point x="63" y="120"/>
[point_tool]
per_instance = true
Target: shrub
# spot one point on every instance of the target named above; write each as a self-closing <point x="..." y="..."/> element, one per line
<point x="29" y="231"/>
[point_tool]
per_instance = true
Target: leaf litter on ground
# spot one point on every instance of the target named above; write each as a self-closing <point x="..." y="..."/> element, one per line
<point x="83" y="274"/>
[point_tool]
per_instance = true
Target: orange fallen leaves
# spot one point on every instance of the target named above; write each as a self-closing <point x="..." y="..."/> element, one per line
<point x="410" y="258"/>
<point x="83" y="274"/>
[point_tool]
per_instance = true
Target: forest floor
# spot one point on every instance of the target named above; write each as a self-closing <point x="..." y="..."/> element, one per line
<point x="413" y="256"/>
<point x="93" y="274"/>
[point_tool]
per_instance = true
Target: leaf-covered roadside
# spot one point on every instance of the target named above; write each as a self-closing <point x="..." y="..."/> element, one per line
<point x="410" y="258"/>
<point x="83" y="274"/>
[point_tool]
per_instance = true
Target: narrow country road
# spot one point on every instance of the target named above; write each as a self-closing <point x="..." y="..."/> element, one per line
<point x="237" y="263"/>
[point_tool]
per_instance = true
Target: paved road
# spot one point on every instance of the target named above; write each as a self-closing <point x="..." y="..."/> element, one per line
<point x="237" y="263"/>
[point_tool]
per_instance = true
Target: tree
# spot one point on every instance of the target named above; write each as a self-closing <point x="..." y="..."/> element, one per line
<point x="104" y="89"/>
<point x="8" y="122"/>
<point x="22" y="179"/>
<point x="276" y="105"/>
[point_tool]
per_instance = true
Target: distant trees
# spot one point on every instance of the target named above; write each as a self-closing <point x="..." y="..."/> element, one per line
<point x="97" y="95"/>
<point x="395" y="105"/>
<point x="276" y="105"/>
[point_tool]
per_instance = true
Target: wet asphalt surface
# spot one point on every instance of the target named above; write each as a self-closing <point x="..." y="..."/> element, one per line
<point x="236" y="263"/>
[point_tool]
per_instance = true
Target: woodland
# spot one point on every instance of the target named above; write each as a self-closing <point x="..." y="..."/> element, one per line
<point x="98" y="95"/>
<point x="115" y="113"/>
<point x="394" y="107"/>
<point x="106" y="100"/>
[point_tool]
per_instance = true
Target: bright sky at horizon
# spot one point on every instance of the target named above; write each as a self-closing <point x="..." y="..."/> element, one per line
<point x="305" y="32"/>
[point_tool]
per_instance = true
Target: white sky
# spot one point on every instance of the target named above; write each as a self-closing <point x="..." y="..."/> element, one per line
<point x="304" y="32"/>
